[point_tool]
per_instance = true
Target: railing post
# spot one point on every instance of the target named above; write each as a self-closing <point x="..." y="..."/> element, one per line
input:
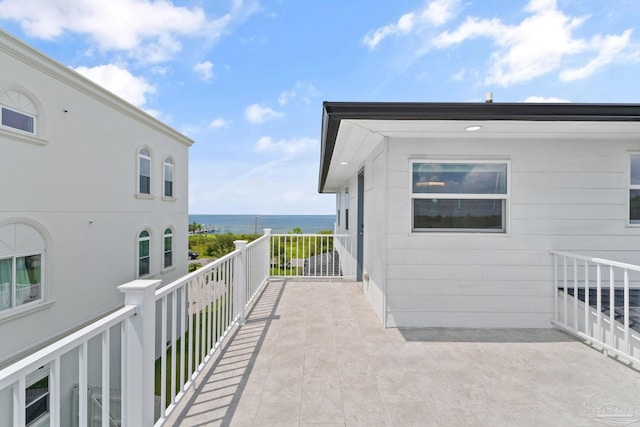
<point x="240" y="279"/>
<point x="139" y="354"/>
<point x="268" y="255"/>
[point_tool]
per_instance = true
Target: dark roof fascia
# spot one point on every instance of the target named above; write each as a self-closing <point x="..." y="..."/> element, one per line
<point x="334" y="112"/>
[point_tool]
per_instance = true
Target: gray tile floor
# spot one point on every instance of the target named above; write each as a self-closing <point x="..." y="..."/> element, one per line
<point x="314" y="353"/>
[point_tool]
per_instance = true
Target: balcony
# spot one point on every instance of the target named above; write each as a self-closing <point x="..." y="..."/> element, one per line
<point x="273" y="334"/>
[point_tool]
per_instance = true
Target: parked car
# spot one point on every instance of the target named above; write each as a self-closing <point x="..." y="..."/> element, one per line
<point x="193" y="255"/>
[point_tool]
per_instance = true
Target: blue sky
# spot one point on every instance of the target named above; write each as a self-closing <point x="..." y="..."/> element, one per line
<point x="246" y="78"/>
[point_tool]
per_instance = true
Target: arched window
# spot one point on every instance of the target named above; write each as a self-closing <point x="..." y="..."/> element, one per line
<point x="168" y="177"/>
<point x="144" y="171"/>
<point x="144" y="259"/>
<point x="18" y="111"/>
<point x="168" y="248"/>
<point x="22" y="256"/>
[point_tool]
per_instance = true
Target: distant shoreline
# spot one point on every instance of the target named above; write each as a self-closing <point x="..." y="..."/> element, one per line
<point x="250" y="224"/>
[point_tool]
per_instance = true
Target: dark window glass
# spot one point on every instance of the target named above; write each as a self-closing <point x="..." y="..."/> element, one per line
<point x="37" y="400"/>
<point x="634" y="206"/>
<point x="17" y="120"/>
<point x="168" y="189"/>
<point x="462" y="214"/>
<point x="460" y="178"/>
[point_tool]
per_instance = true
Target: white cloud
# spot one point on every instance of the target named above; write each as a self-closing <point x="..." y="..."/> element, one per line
<point x="219" y="122"/>
<point x="434" y="14"/>
<point x="119" y="81"/>
<point x="546" y="41"/>
<point x="286" y="96"/>
<point x="288" y="147"/>
<point x="610" y="48"/>
<point x="204" y="70"/>
<point x="257" y="114"/>
<point x="542" y="99"/>
<point x="148" y="30"/>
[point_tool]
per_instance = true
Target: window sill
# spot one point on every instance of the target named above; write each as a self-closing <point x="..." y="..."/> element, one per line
<point x="168" y="199"/>
<point x="24" y="310"/>
<point x="169" y="269"/>
<point x="23" y="137"/>
<point x="144" y="196"/>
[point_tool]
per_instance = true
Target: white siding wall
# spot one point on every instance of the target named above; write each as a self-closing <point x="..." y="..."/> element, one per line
<point x="80" y="186"/>
<point x="565" y="194"/>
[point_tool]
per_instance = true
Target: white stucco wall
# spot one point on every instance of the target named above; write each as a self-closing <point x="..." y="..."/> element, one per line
<point x="78" y="182"/>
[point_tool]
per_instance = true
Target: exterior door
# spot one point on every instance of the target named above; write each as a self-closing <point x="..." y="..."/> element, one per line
<point x="360" y="227"/>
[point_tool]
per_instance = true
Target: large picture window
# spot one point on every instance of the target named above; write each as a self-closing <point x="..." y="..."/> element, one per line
<point x="459" y="196"/>
<point x="20" y="280"/>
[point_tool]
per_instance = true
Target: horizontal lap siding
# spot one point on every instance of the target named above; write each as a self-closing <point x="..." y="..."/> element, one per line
<point x="565" y="195"/>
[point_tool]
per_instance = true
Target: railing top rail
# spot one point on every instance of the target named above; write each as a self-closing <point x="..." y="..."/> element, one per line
<point x="309" y="235"/>
<point x="258" y="241"/>
<point x="41" y="357"/>
<point x="602" y="261"/>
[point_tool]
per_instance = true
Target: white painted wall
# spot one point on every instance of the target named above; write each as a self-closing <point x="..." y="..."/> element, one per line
<point x="565" y="194"/>
<point x="79" y="184"/>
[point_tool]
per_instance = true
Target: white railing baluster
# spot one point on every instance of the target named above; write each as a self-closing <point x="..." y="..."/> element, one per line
<point x="564" y="289"/>
<point x="575" y="293"/>
<point x="19" y="402"/>
<point x="599" y="301"/>
<point x="54" y="395"/>
<point x="184" y="316"/>
<point x="82" y="385"/>
<point x="556" y="314"/>
<point x="612" y="308"/>
<point x="174" y="336"/>
<point x="191" y="326"/>
<point x="163" y="355"/>
<point x="627" y="343"/>
<point x="106" y="367"/>
<point x="587" y="310"/>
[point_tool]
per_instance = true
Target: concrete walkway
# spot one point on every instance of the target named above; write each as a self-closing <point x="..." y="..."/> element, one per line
<point x="314" y="353"/>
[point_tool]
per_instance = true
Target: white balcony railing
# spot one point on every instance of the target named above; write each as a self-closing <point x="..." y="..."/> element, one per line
<point x="151" y="351"/>
<point x="597" y="300"/>
<point x="323" y="256"/>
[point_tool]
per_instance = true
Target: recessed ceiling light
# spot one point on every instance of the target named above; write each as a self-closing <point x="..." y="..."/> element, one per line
<point x="344" y="163"/>
<point x="472" y="128"/>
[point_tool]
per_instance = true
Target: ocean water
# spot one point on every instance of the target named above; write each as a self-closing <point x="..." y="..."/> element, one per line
<point x="249" y="224"/>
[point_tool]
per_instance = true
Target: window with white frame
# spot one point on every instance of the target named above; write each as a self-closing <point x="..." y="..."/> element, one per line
<point x="168" y="177"/>
<point x="37" y="398"/>
<point x="144" y="256"/>
<point x="634" y="188"/>
<point x="20" y="280"/>
<point x="18" y="110"/>
<point x="168" y="248"/>
<point x="144" y="171"/>
<point x="455" y="196"/>
<point x="22" y="256"/>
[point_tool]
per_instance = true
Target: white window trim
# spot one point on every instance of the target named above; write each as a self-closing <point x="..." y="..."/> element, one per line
<point x="629" y="188"/>
<point x="173" y="264"/>
<point x="13" y="279"/>
<point x="173" y="175"/>
<point x="38" y="135"/>
<point x="138" y="240"/>
<point x="457" y="232"/>
<point x="33" y="378"/>
<point x="138" y="194"/>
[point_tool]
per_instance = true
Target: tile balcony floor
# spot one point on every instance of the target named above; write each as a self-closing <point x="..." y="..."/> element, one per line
<point x="314" y="353"/>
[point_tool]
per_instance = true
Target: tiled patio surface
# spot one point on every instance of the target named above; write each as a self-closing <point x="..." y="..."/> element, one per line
<point x="314" y="353"/>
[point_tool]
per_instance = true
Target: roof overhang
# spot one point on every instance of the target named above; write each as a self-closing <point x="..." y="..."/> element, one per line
<point x="351" y="130"/>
